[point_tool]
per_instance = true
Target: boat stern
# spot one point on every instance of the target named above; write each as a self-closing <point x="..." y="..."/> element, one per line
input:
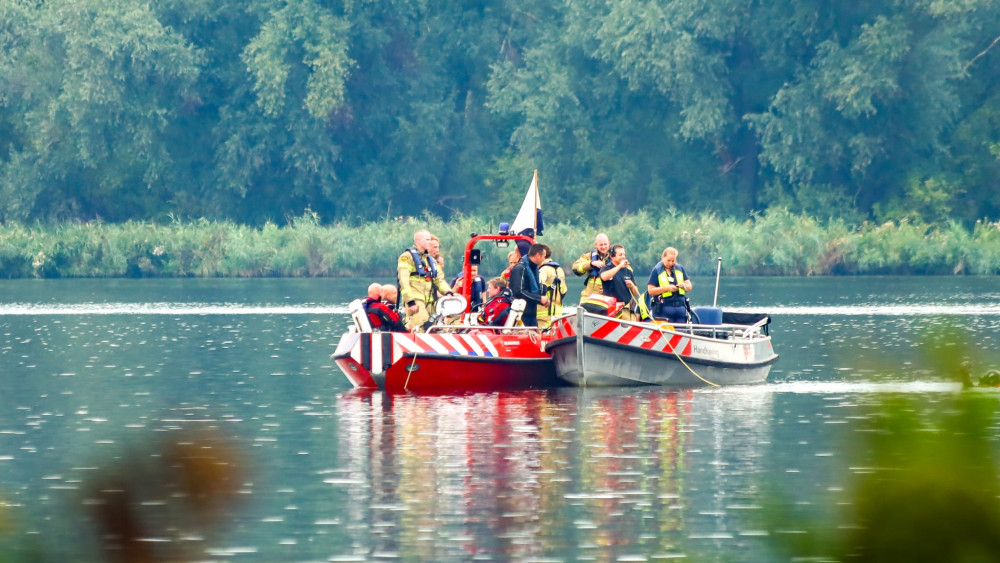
<point x="362" y="357"/>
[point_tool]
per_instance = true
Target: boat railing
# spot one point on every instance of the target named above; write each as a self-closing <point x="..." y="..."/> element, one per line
<point x="719" y="331"/>
<point x="724" y="331"/>
<point x="483" y="328"/>
<point x="467" y="322"/>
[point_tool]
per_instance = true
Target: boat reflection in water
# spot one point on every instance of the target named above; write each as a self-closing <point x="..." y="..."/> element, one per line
<point x="566" y="473"/>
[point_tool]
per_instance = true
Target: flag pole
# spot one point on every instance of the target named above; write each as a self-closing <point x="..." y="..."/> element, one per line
<point x="534" y="219"/>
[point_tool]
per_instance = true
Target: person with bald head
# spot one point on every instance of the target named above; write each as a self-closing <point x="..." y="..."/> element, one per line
<point x="381" y="315"/>
<point x="420" y="281"/>
<point x="374" y="295"/>
<point x="591" y="263"/>
<point x="389" y="294"/>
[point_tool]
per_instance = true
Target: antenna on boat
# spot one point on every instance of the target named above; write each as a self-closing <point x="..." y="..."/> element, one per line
<point x="718" y="272"/>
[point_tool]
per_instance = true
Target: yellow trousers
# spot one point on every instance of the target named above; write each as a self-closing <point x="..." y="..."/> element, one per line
<point x="544" y="320"/>
<point x="594" y="285"/>
<point x="415" y="321"/>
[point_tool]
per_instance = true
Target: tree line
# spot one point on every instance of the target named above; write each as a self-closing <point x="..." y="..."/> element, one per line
<point x="362" y="111"/>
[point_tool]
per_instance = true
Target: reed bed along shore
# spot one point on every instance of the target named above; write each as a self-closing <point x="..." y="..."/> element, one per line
<point x="777" y="243"/>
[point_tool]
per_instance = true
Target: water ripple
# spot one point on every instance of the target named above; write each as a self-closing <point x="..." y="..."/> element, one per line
<point x="902" y="310"/>
<point x="908" y="310"/>
<point x="169" y="309"/>
<point x="840" y="387"/>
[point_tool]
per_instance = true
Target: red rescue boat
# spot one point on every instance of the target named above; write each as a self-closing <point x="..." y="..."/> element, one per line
<point x="455" y="354"/>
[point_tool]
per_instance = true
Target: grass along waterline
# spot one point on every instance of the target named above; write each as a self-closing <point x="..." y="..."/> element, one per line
<point x="775" y="243"/>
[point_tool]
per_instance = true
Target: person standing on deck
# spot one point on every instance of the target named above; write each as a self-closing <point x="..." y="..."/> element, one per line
<point x="591" y="263"/>
<point x="420" y="280"/>
<point x="477" y="290"/>
<point x="619" y="282"/>
<point x="668" y="282"/>
<point x="513" y="257"/>
<point x="552" y="280"/>
<point x="434" y="249"/>
<point x="524" y="283"/>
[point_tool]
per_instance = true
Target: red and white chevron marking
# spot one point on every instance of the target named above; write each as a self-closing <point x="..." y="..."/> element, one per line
<point x="563" y="328"/>
<point x="642" y="337"/>
<point x="374" y="344"/>
<point x="444" y="343"/>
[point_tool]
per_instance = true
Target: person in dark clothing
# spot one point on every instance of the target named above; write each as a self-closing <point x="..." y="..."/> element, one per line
<point x="524" y="283"/>
<point x="618" y="281"/>
<point x="667" y="286"/>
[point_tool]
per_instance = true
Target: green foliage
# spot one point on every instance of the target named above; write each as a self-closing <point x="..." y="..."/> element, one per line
<point x="299" y="26"/>
<point x="773" y="243"/>
<point x="256" y="112"/>
<point x="81" y="79"/>
<point x="930" y="199"/>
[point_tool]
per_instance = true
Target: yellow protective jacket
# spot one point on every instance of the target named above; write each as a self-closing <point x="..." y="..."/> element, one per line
<point x="663" y="280"/>
<point x="548" y="273"/>
<point x="552" y="279"/>
<point x="418" y="277"/>
<point x="583" y="265"/>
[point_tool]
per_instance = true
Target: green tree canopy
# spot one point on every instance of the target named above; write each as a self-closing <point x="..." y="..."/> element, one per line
<point x="362" y="110"/>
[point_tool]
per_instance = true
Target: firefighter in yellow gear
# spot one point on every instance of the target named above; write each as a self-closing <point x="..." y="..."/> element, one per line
<point x="591" y="263"/>
<point x="552" y="279"/>
<point x="420" y="281"/>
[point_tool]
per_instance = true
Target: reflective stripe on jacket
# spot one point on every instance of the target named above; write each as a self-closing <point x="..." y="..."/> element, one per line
<point x="663" y="280"/>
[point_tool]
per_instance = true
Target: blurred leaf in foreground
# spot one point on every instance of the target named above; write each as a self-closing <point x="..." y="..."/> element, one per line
<point x="923" y="483"/>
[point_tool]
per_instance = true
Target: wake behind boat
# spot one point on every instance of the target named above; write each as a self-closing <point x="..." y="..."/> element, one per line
<point x="592" y="350"/>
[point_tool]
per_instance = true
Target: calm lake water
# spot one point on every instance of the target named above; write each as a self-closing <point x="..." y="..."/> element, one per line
<point x="99" y="376"/>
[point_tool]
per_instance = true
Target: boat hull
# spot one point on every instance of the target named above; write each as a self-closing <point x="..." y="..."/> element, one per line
<point x="445" y="362"/>
<point x="596" y="351"/>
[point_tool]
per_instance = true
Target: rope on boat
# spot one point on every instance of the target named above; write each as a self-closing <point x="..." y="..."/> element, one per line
<point x="409" y="371"/>
<point x="683" y="363"/>
<point x="535" y="337"/>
